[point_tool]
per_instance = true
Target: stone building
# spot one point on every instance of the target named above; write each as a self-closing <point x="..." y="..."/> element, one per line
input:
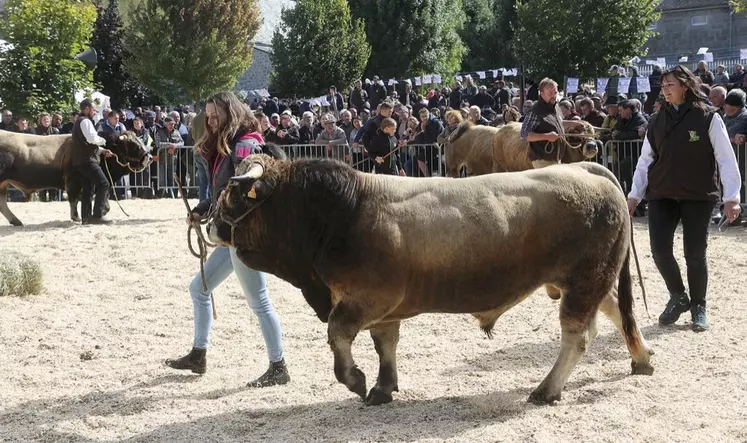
<point x="686" y="25"/>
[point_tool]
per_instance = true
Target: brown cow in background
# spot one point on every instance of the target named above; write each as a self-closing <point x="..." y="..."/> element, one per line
<point x="485" y="149"/>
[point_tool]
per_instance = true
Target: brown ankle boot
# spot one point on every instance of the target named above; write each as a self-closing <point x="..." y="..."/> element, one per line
<point x="276" y="374"/>
<point x="194" y="361"/>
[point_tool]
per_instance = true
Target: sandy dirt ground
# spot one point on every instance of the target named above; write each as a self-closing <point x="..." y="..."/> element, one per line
<point x="83" y="361"/>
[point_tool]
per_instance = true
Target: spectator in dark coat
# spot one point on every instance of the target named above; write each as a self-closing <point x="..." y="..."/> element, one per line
<point x="382" y="152"/>
<point x="429" y="130"/>
<point x="455" y="97"/>
<point x="483" y="100"/>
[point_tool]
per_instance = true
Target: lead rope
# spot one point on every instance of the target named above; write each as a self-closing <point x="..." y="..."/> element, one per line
<point x="135" y="171"/>
<point x="202" y="244"/>
<point x="114" y="191"/>
<point x="638" y="267"/>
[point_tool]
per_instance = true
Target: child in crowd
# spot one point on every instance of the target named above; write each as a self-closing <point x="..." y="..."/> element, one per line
<point x="383" y="149"/>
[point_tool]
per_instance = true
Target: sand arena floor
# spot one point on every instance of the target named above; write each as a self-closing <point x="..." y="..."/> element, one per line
<point x="83" y="361"/>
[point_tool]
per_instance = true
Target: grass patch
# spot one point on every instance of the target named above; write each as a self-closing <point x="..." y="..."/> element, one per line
<point x="19" y="275"/>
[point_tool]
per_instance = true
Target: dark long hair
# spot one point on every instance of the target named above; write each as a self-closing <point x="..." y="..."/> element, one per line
<point x="239" y="119"/>
<point x="687" y="79"/>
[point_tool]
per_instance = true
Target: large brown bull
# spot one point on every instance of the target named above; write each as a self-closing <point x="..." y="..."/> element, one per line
<point x="34" y="162"/>
<point x="485" y="149"/>
<point x="362" y="249"/>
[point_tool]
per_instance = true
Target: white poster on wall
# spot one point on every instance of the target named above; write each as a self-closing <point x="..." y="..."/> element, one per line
<point x="623" y="85"/>
<point x="643" y="84"/>
<point x="572" y="85"/>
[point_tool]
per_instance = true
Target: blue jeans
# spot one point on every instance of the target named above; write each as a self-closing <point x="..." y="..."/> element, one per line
<point x="219" y="265"/>
<point x="202" y="177"/>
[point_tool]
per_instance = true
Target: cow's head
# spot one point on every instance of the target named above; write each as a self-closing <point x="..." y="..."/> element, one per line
<point x="588" y="145"/>
<point x="129" y="150"/>
<point x="257" y="177"/>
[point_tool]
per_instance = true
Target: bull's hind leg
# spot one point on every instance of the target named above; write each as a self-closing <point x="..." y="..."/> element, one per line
<point x="345" y="321"/>
<point x="577" y="318"/>
<point x="640" y="351"/>
<point x="385" y="338"/>
<point x="4" y="209"/>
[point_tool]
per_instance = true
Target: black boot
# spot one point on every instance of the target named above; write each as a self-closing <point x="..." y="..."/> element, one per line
<point x="277" y="374"/>
<point x="700" y="322"/>
<point x="678" y="304"/>
<point x="194" y="361"/>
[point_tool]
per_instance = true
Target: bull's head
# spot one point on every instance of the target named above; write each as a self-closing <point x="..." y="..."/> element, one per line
<point x="588" y="146"/>
<point x="129" y="150"/>
<point x="252" y="185"/>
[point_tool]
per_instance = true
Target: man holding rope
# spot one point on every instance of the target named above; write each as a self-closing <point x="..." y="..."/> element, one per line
<point x="87" y="148"/>
<point x="544" y="127"/>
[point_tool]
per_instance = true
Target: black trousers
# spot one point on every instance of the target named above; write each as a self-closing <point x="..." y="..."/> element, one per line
<point x="663" y="217"/>
<point x="93" y="177"/>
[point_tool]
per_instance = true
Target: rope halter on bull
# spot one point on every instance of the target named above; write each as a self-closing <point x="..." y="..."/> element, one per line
<point x="202" y="244"/>
<point x="127" y="165"/>
<point x="550" y="146"/>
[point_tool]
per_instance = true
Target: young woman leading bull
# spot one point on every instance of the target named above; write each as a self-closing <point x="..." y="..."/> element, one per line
<point x="232" y="133"/>
<point x="685" y="151"/>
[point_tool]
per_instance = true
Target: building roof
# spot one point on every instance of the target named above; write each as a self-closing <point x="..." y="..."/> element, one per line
<point x="668" y="5"/>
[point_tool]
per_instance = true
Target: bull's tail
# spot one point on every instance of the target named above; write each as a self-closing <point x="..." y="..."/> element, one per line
<point x="625" y="299"/>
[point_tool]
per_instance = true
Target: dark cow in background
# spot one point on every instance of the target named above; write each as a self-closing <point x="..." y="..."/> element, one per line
<point x="361" y="249"/>
<point x="33" y="162"/>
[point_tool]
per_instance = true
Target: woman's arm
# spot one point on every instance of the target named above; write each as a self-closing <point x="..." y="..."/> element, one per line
<point x="726" y="159"/>
<point x="640" y="177"/>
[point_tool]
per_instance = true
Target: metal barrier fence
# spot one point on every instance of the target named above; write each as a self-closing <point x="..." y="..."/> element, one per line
<point x="416" y="160"/>
<point x="620" y="157"/>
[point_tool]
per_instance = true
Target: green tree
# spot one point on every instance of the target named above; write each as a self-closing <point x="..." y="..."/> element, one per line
<point x="109" y="75"/>
<point x="411" y="38"/>
<point x="506" y="22"/>
<point x="38" y="72"/>
<point x="185" y="50"/>
<point x="581" y="38"/>
<point x="317" y="44"/>
<point x="739" y="5"/>
<point x="478" y="35"/>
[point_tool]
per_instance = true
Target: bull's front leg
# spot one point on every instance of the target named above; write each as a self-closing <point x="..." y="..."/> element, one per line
<point x="4" y="209"/>
<point x="74" y="188"/>
<point x="344" y="324"/>
<point x="385" y="338"/>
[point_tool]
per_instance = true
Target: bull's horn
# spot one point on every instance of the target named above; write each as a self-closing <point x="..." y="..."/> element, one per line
<point x="121" y="137"/>
<point x="254" y="173"/>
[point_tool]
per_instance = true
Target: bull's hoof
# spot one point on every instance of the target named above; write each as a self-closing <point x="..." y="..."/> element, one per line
<point x="641" y="369"/>
<point x="541" y="397"/>
<point x="16" y="222"/>
<point x="75" y="218"/>
<point x="379" y="396"/>
<point x="359" y="382"/>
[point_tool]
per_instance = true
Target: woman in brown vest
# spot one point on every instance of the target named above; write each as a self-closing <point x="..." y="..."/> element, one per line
<point x="685" y="145"/>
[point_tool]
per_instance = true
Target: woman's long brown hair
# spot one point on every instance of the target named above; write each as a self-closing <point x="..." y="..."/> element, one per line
<point x="239" y="118"/>
<point x="689" y="81"/>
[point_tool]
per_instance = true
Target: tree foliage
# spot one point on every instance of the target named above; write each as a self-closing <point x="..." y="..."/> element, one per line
<point x="109" y="75"/>
<point x="185" y="50"/>
<point x="581" y="38"/>
<point x="38" y="72"/>
<point x="308" y="58"/>
<point x="411" y="38"/>
<point x="739" y="5"/>
<point x="488" y="34"/>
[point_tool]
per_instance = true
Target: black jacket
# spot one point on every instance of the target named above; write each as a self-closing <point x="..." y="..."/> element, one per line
<point x="684" y="166"/>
